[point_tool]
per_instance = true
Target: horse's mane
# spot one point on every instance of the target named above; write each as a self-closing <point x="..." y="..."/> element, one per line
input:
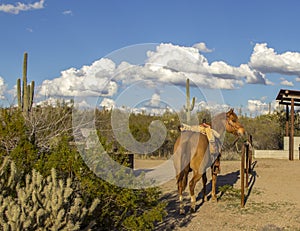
<point x="218" y="122"/>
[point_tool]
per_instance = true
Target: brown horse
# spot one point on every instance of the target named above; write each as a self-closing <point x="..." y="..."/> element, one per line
<point x="191" y="153"/>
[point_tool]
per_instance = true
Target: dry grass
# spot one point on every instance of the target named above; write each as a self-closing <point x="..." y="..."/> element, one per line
<point x="231" y="155"/>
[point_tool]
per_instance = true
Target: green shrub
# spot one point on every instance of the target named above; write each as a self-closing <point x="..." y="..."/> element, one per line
<point x="43" y="141"/>
<point x="119" y="208"/>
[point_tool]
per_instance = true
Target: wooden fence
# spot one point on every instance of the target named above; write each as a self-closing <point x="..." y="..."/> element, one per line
<point x="246" y="164"/>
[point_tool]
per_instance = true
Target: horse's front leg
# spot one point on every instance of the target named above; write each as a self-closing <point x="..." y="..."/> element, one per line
<point x="192" y="185"/>
<point x="214" y="185"/>
<point x="204" y="181"/>
<point x="215" y="169"/>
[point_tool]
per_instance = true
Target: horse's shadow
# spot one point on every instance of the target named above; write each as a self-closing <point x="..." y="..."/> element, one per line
<point x="251" y="181"/>
<point x="138" y="172"/>
<point x="228" y="179"/>
<point x="174" y="219"/>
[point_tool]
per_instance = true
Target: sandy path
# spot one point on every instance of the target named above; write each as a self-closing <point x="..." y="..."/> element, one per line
<point x="273" y="201"/>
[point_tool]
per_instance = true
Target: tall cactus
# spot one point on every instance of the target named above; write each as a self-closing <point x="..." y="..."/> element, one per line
<point x="19" y="93"/>
<point x="31" y="94"/>
<point x="26" y="93"/>
<point x="25" y="88"/>
<point x="189" y="106"/>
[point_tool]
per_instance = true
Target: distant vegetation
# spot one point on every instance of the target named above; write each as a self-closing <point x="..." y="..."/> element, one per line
<point x="42" y="140"/>
<point x="267" y="130"/>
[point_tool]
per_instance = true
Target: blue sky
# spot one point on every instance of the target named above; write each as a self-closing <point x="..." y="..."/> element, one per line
<point x="247" y="50"/>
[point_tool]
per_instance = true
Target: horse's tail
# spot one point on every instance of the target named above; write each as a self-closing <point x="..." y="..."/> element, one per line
<point x="184" y="164"/>
<point x="181" y="159"/>
<point x="183" y="177"/>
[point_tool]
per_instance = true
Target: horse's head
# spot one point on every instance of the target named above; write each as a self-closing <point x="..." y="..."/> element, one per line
<point x="233" y="125"/>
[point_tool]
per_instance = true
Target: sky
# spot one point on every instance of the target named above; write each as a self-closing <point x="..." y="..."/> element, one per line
<point x="138" y="54"/>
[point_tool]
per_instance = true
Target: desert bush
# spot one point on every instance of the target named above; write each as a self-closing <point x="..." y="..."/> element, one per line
<point x="36" y="145"/>
<point x="267" y="131"/>
<point x="119" y="208"/>
<point x="12" y="130"/>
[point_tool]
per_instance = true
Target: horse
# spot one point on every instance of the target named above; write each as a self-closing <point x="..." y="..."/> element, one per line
<point x="191" y="153"/>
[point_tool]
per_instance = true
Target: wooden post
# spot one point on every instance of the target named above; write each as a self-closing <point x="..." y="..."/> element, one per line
<point x="286" y="120"/>
<point x="243" y="177"/>
<point x="250" y="153"/>
<point x="247" y="163"/>
<point x="291" y="148"/>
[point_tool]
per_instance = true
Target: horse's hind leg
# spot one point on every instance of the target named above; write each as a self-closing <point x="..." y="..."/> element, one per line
<point x="192" y="185"/>
<point x="182" y="182"/>
<point x="181" y="205"/>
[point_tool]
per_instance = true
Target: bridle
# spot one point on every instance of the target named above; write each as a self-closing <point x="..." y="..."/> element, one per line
<point x="234" y="128"/>
<point x="232" y="125"/>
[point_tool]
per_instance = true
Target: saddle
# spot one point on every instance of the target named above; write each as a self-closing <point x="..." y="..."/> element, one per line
<point x="212" y="135"/>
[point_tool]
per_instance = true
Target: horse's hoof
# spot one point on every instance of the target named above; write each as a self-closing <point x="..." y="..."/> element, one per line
<point x="205" y="199"/>
<point x="214" y="199"/>
<point x="181" y="211"/>
<point x="193" y="209"/>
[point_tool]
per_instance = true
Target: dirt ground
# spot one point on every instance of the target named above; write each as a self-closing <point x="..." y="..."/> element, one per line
<point x="272" y="199"/>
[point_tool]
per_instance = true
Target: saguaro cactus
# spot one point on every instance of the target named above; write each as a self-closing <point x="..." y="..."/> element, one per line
<point x="26" y="94"/>
<point x="189" y="106"/>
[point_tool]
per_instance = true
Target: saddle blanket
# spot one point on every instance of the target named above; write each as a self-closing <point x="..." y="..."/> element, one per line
<point x="212" y="135"/>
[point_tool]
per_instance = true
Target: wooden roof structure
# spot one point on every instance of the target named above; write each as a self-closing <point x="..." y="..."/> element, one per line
<point x="289" y="98"/>
<point x="285" y="97"/>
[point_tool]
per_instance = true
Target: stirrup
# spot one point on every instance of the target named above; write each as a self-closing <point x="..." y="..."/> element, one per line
<point x="216" y="169"/>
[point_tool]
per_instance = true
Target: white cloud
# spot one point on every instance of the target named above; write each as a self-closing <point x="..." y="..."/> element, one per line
<point x="286" y="82"/>
<point x="171" y="64"/>
<point x="213" y="108"/>
<point x="268" y="82"/>
<point x="167" y="64"/>
<point x="225" y="71"/>
<point x="202" y="47"/>
<point x="67" y="12"/>
<point x="84" y="105"/>
<point x="150" y="111"/>
<point x="91" y="80"/>
<point x="266" y="60"/>
<point x="52" y="101"/>
<point x="15" y="9"/>
<point x="155" y="100"/>
<point x="261" y="107"/>
<point x="29" y="30"/>
<point x="257" y="106"/>
<point x="187" y="62"/>
<point x="2" y="88"/>
<point x="108" y="103"/>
